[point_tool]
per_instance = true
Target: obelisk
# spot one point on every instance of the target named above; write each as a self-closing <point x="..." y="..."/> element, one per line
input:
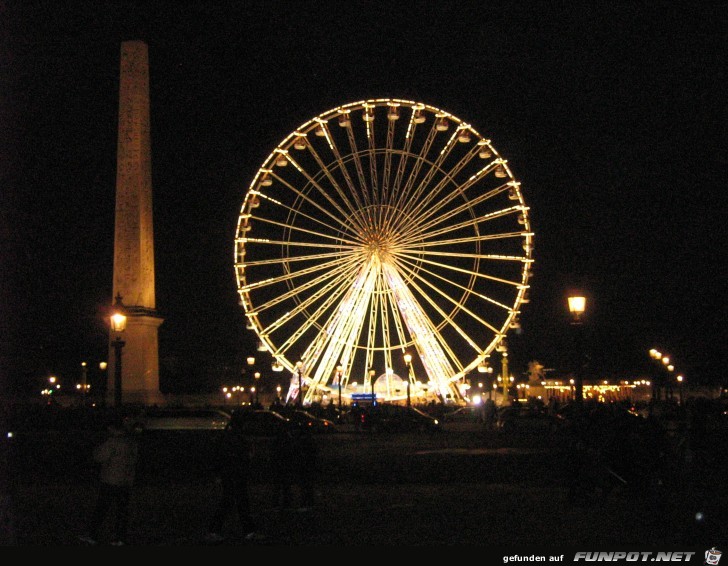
<point x="133" y="234"/>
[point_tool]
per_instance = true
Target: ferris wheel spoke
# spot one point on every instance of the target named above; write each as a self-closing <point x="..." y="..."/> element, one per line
<point x="420" y="271"/>
<point x="289" y="275"/>
<point x="358" y="166"/>
<point x="349" y="206"/>
<point x="491" y="257"/>
<point x="440" y="216"/>
<point x="397" y="319"/>
<point x="344" y="255"/>
<point x="326" y="349"/>
<point x="388" y="154"/>
<point x="302" y="307"/>
<point x="373" y="173"/>
<point x="342" y="210"/>
<point x="419" y="160"/>
<point x="415" y="116"/>
<point x="456" y="269"/>
<point x="326" y="275"/>
<point x="432" y="349"/>
<point x="299" y="213"/>
<point x="459" y="305"/>
<point x="426" y="214"/>
<point x="423" y="194"/>
<point x="432" y="233"/>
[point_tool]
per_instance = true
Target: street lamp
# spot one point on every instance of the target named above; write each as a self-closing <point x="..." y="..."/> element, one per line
<point x="505" y="373"/>
<point x="339" y="379"/>
<point x="657" y="356"/>
<point x="486" y="368"/>
<point x="680" y="380"/>
<point x="104" y="377"/>
<point x="299" y="372"/>
<point x="256" y="375"/>
<point x="118" y="325"/>
<point x="84" y="381"/>
<point x="372" y="373"/>
<point x="577" y="306"/>
<point x="408" y="361"/>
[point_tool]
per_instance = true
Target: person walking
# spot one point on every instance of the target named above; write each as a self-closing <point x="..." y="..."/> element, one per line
<point x="117" y="458"/>
<point x="233" y="461"/>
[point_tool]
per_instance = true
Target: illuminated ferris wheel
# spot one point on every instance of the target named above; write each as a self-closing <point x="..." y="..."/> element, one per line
<point x="380" y="239"/>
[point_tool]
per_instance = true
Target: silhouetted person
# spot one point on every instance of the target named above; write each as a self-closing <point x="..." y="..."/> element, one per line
<point x="304" y="465"/>
<point x="282" y="457"/>
<point x="117" y="457"/>
<point x="233" y="461"/>
<point x="490" y="413"/>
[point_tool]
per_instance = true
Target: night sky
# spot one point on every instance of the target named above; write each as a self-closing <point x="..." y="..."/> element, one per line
<point x="612" y="117"/>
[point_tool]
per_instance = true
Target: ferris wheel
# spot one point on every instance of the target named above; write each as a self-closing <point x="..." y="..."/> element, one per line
<point x="383" y="238"/>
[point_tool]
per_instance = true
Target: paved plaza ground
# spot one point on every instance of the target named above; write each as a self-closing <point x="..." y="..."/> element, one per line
<point x="460" y="487"/>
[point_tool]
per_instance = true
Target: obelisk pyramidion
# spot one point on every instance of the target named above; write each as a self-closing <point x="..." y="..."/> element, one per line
<point x="133" y="233"/>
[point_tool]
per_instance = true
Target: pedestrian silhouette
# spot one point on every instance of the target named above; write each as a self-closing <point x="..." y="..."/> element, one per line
<point x="117" y="460"/>
<point x="490" y="414"/>
<point x="282" y="457"/>
<point x="293" y="459"/>
<point x="233" y="462"/>
<point x="304" y="465"/>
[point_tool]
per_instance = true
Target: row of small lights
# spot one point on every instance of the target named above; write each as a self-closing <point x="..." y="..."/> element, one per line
<point x="54" y="385"/>
<point x="659" y="356"/>
<point x="571" y="382"/>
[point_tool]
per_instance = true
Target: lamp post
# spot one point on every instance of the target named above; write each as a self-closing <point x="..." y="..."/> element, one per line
<point x="104" y="384"/>
<point x="299" y="372"/>
<point x="668" y="381"/>
<point x="487" y="369"/>
<point x="577" y="306"/>
<point x="251" y="362"/>
<point x="408" y="361"/>
<point x="118" y="325"/>
<point x="256" y="376"/>
<point x="84" y="381"/>
<point x="372" y="373"/>
<point x="505" y="377"/>
<point x="339" y="379"/>
<point x="664" y="379"/>
<point x="680" y="380"/>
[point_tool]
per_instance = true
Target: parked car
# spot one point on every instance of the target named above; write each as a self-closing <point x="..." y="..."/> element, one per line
<point x="384" y="417"/>
<point x="314" y="423"/>
<point x="182" y="418"/>
<point x="259" y="422"/>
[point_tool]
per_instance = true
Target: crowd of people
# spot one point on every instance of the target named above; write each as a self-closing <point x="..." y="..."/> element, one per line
<point x="292" y="455"/>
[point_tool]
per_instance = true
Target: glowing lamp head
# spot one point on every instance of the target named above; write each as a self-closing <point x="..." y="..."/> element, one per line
<point x="577" y="306"/>
<point x="118" y="317"/>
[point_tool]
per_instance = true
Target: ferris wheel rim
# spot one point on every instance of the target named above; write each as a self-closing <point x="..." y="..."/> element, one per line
<point x="321" y="122"/>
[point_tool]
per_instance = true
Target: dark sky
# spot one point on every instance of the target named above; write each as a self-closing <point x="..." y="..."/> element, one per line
<point x="612" y="117"/>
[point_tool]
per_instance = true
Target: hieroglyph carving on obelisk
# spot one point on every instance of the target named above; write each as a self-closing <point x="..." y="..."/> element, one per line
<point x="134" y="232"/>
